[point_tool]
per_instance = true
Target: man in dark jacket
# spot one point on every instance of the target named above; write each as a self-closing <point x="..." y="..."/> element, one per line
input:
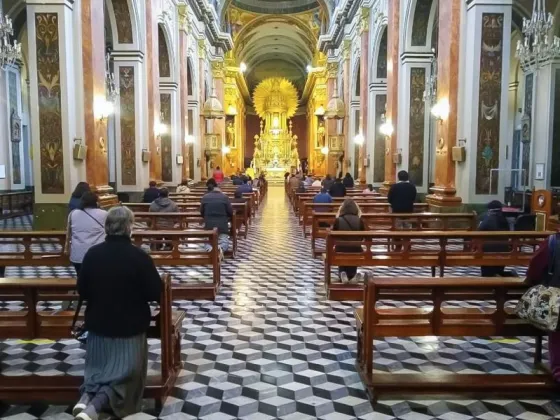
<point x="494" y="221"/>
<point x="338" y="189"/>
<point x="163" y="204"/>
<point x="327" y="183"/>
<point x="402" y="195"/>
<point x="216" y="209"/>
<point x="244" y="187"/>
<point x="151" y="193"/>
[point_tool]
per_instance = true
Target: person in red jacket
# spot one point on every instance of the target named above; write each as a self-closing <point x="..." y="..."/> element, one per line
<point x="218" y="175"/>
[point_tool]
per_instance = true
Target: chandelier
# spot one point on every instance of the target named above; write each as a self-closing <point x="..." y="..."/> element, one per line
<point x="430" y="92"/>
<point x="111" y="87"/>
<point x="539" y="44"/>
<point x="9" y="52"/>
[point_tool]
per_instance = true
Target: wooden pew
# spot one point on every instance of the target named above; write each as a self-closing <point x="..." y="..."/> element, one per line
<point x="13" y="204"/>
<point x="392" y="222"/>
<point x="360" y="199"/>
<point x="305" y="216"/>
<point x="434" y="249"/>
<point x="182" y="222"/>
<point x="23" y="249"/>
<point x="439" y="319"/>
<point x="188" y="199"/>
<point x="33" y="323"/>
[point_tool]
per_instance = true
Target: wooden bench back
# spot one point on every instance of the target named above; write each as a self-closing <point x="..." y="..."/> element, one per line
<point x="323" y="222"/>
<point x="302" y="199"/>
<point x="37" y="248"/>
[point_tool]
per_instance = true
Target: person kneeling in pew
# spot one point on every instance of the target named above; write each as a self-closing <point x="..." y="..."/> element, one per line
<point x="118" y="280"/>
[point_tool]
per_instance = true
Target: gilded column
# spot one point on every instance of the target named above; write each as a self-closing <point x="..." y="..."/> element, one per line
<point x="94" y="94"/>
<point x="483" y="109"/>
<point x="364" y="90"/>
<point x="391" y="115"/>
<point x="218" y="125"/>
<point x="152" y="78"/>
<point x="331" y="128"/>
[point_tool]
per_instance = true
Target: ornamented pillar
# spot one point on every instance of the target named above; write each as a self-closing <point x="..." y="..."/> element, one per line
<point x="186" y="148"/>
<point x="204" y="158"/>
<point x="483" y="105"/>
<point x="391" y="115"/>
<point x="218" y="125"/>
<point x="347" y="135"/>
<point x="94" y="96"/>
<point x="55" y="105"/>
<point x="364" y="89"/>
<point x="152" y="78"/>
<point x="330" y="160"/>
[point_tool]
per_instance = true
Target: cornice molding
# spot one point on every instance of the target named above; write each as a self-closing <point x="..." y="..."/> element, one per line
<point x="206" y="14"/>
<point x="343" y="15"/>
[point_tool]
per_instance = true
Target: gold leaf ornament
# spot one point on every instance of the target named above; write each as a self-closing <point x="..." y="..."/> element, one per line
<point x="275" y="94"/>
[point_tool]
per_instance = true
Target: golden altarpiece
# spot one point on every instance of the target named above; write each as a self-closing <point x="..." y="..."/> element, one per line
<point x="276" y="151"/>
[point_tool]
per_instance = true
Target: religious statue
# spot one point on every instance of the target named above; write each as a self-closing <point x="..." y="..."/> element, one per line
<point x="294" y="155"/>
<point x="257" y="153"/>
<point x="321" y="135"/>
<point x="16" y="127"/>
<point x="230" y="135"/>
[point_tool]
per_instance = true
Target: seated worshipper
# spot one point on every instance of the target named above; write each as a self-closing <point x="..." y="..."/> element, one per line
<point x="118" y="280"/>
<point x="544" y="269"/>
<point x="348" y="181"/>
<point x="286" y="177"/>
<point x="75" y="199"/>
<point x="494" y="220"/>
<point x="245" y="187"/>
<point x="316" y="183"/>
<point x="183" y="187"/>
<point x="216" y="209"/>
<point x="236" y="180"/>
<point x="151" y="193"/>
<point x="301" y="186"/>
<point x="308" y="181"/>
<point x="294" y="182"/>
<point x="163" y="204"/>
<point x="86" y="227"/>
<point x="349" y="219"/>
<point x="368" y="189"/>
<point x="327" y="182"/>
<point x="337" y="189"/>
<point x="238" y="197"/>
<point x="322" y="197"/>
<point x="402" y="195"/>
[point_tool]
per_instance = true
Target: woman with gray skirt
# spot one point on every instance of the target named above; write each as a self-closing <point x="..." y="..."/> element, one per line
<point x="117" y="280"/>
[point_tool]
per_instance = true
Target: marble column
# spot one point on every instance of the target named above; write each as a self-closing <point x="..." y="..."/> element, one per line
<point x="364" y="89"/>
<point x="482" y="102"/>
<point x="153" y="99"/>
<point x="184" y="95"/>
<point x="95" y="124"/>
<point x="347" y="99"/>
<point x="545" y="136"/>
<point x="56" y="106"/>
<point x="11" y="134"/>
<point x="391" y="115"/>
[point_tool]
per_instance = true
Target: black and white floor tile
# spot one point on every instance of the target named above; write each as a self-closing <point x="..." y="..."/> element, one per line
<point x="271" y="346"/>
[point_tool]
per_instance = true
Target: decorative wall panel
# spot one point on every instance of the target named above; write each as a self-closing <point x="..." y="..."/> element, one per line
<point x="382" y="57"/>
<point x="420" y="24"/>
<point x="124" y="23"/>
<point x="15" y="125"/>
<point x="490" y="92"/>
<point x="527" y="110"/>
<point x="164" y="66"/>
<point x="416" y="126"/>
<point x="555" y="169"/>
<point x="128" y="126"/>
<point x="166" y="152"/>
<point x="50" y="122"/>
<point x="379" y="146"/>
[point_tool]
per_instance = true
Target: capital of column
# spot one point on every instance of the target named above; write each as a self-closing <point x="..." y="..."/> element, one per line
<point x="332" y="70"/>
<point x="184" y="18"/>
<point x="218" y="69"/>
<point x="202" y="50"/>
<point x="364" y="19"/>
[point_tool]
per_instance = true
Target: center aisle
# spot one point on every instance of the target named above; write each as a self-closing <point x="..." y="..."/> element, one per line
<point x="270" y="346"/>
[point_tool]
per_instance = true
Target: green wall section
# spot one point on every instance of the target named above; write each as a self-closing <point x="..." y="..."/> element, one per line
<point x="50" y="216"/>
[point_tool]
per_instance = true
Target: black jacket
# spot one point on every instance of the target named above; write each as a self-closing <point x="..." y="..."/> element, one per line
<point x="349" y="222"/>
<point x="401" y="197"/>
<point x="494" y="221"/>
<point x="348" y="182"/>
<point x="337" y="190"/>
<point x="150" y="194"/>
<point x="216" y="209"/>
<point x="118" y="280"/>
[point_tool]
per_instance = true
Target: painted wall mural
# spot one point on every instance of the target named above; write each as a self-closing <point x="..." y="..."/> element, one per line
<point x="528" y="110"/>
<point x="164" y="64"/>
<point x="416" y="126"/>
<point x="128" y="126"/>
<point x="14" y="114"/>
<point x="382" y="57"/>
<point x="420" y="26"/>
<point x="490" y="91"/>
<point x="48" y="84"/>
<point x="166" y="152"/>
<point x="379" y="146"/>
<point x="124" y="24"/>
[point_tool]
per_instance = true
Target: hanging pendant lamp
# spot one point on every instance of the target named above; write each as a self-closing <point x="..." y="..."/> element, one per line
<point x="335" y="108"/>
<point x="213" y="109"/>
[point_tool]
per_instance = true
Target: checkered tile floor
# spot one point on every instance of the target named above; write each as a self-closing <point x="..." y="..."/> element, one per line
<point x="270" y="345"/>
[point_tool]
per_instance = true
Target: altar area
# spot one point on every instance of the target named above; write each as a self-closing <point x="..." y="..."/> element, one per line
<point x="276" y="151"/>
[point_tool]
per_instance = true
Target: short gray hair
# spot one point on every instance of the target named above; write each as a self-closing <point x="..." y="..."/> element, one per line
<point x="119" y="221"/>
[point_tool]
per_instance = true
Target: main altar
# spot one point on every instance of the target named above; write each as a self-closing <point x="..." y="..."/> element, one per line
<point x="275" y="101"/>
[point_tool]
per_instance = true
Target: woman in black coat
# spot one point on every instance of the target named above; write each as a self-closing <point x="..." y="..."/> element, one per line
<point x="349" y="219"/>
<point x="348" y="181"/>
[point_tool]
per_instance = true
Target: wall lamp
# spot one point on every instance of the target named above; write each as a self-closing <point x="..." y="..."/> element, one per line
<point x="103" y="108"/>
<point x="441" y="110"/>
<point x="386" y="129"/>
<point x="359" y="139"/>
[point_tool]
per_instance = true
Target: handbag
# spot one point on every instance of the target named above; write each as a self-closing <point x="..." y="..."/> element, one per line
<point x="79" y="331"/>
<point x="540" y="305"/>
